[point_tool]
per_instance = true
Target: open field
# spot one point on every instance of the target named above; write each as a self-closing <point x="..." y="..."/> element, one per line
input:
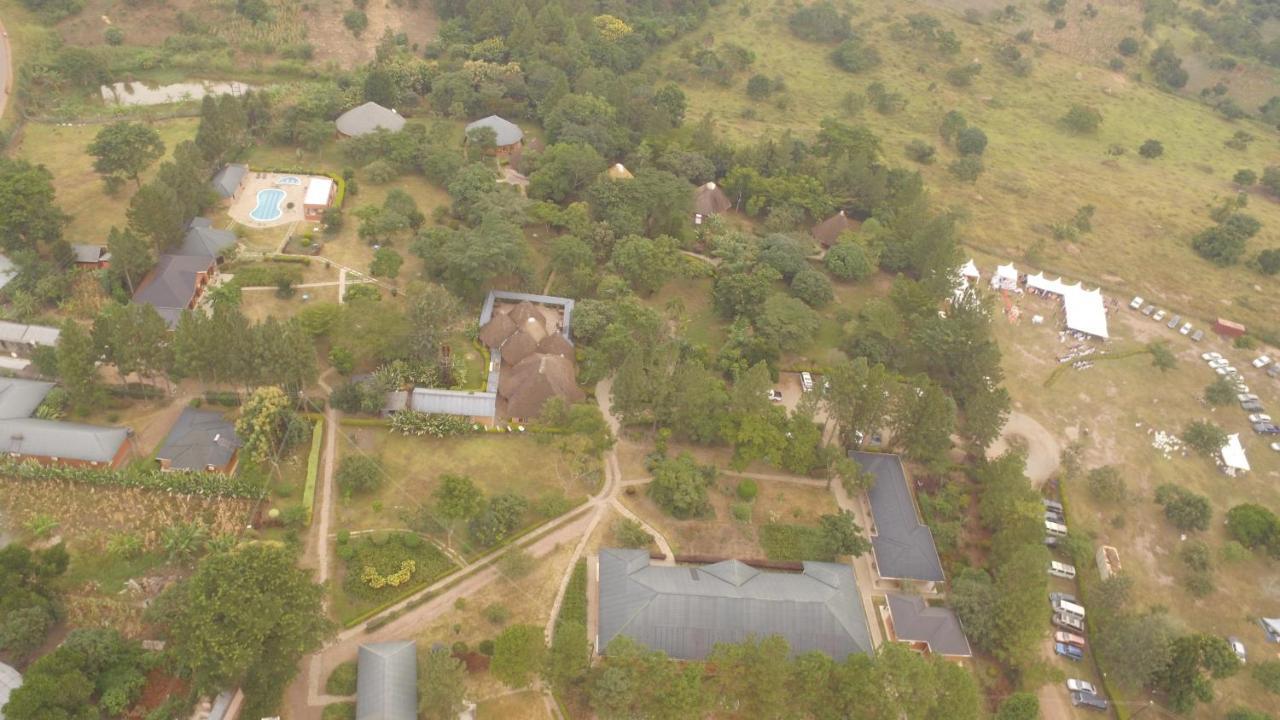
<point x="721" y="534"/>
<point x="80" y="190"/>
<point x="258" y="305"/>
<point x="1111" y="408"/>
<point x="524" y="705"/>
<point x="531" y="466"/>
<point x="1037" y="173"/>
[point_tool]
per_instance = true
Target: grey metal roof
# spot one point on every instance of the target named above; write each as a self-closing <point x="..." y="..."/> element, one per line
<point x="199" y="439"/>
<point x="19" y="398"/>
<point x="368" y="118"/>
<point x="228" y="179"/>
<point x="30" y="334"/>
<point x="902" y="544"/>
<point x="505" y="132"/>
<point x="914" y="620"/>
<point x="454" y="402"/>
<point x="172" y="283"/>
<point x="89" y="253"/>
<point x="203" y="240"/>
<point x="387" y="681"/>
<point x="63" y="440"/>
<point x="685" y="611"/>
<point x="10" y="680"/>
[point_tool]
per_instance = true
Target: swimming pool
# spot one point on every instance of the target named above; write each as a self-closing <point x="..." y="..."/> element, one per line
<point x="289" y="180"/>
<point x="268" y="208"/>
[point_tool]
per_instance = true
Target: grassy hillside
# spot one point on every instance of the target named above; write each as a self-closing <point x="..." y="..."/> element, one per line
<point x="1037" y="173"/>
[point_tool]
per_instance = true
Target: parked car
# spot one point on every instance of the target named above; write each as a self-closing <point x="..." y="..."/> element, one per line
<point x="1050" y="541"/>
<point x="1261" y="362"/>
<point x="1148" y="310"/>
<point x="1237" y="647"/>
<point x="1259" y="417"/>
<point x="1240" y="387"/>
<point x="1059" y="597"/>
<point x="1266" y="428"/>
<point x="1252" y="406"/>
<point x="1084" y="686"/>
<point x="1218" y="362"/>
<point x="806" y="381"/>
<point x="1136" y="302"/>
<point x="1160" y="315"/>
<point x="1207" y="356"/>
<point x="1197" y="336"/>
<point x="1246" y="397"/>
<point x="1274" y="371"/>
<point x="1174" y="322"/>
<point x="1275" y="446"/>
<point x="775" y="395"/>
<point x="1071" y="652"/>
<point x="1053" y="505"/>
<point x="1068" y="622"/>
<point x="1070" y="639"/>
<point x="1089" y="701"/>
<point x="1062" y="570"/>
<point x="1185" y="329"/>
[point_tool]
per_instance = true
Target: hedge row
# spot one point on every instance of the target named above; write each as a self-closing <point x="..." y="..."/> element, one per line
<point x="313" y="468"/>
<point x="178" y="481"/>
<point x="574" y="607"/>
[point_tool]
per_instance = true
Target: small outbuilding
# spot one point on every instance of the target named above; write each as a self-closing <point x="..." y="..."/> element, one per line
<point x="228" y="181"/>
<point x="387" y="681"/>
<point x="828" y="232"/>
<point x="91" y="256"/>
<point x="507" y="136"/>
<point x="200" y="440"/>
<point x="368" y="118"/>
<point x="320" y="194"/>
<point x="618" y="171"/>
<point x="708" y="200"/>
<point x="1228" y="328"/>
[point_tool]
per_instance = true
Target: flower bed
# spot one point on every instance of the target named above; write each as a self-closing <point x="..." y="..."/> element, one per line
<point x="383" y="568"/>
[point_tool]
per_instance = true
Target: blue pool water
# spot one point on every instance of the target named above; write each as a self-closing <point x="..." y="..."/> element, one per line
<point x="268" y="208"/>
<point x="289" y="180"/>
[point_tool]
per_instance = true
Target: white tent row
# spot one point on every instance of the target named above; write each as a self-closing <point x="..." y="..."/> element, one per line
<point x="1085" y="309"/>
<point x="1233" y="454"/>
<point x="966" y="276"/>
<point x="1005" y="277"/>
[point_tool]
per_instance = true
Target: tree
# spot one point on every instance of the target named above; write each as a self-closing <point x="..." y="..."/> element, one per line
<point x="1245" y="177"/>
<point x="971" y="141"/>
<point x="1267" y="673"/>
<point x="498" y="519"/>
<point x="457" y="500"/>
<point x="967" y="169"/>
<point x="848" y="261"/>
<point x="1182" y="680"/>
<point x="589" y="119"/>
<point x="244" y="619"/>
<point x="131" y="257"/>
<point x="812" y="287"/>
<point x="1161" y="356"/>
<point x="820" y="22"/>
<point x="1151" y="149"/>
<point x="679" y="486"/>
<point x="76" y="366"/>
<point x="386" y="263"/>
<point x="923" y="420"/>
<point x="442" y="685"/>
<point x="156" y="212"/>
<point x="1220" y="392"/>
<point x="751" y="676"/>
<point x="1268" y="261"/>
<point x="1137" y="647"/>
<point x="1253" y="525"/>
<point x="1082" y="119"/>
<point x="858" y="396"/>
<point x="646" y="264"/>
<point x="1019" y="706"/>
<point x="1106" y="485"/>
<point x="1185" y="509"/>
<point x="1167" y="67"/>
<point x="518" y="655"/>
<point x="1204" y="437"/>
<point x="125" y="149"/>
<point x="563" y="171"/>
<point x="842" y="536"/>
<point x="1129" y="46"/>
<point x="29" y="217"/>
<point x="262" y="422"/>
<point x="358" y="474"/>
<point x="786" y="322"/>
<point x="432" y="312"/>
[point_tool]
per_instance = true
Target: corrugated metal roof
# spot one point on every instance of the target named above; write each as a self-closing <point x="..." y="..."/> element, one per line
<point x="19" y="398"/>
<point x="199" y="439"/>
<point x="367" y="118"/>
<point x="685" y="611"/>
<point x="454" y="402"/>
<point x="10" y="680"/>
<point x="62" y="440"/>
<point x="914" y="620"/>
<point x="11" y="332"/>
<point x="387" y="681"/>
<point x="228" y="179"/>
<point x="903" y="545"/>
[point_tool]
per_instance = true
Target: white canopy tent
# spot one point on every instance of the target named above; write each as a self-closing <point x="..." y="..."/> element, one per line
<point x="1233" y="456"/>
<point x="970" y="270"/>
<point x="1085" y="309"/>
<point x="1005" y="278"/>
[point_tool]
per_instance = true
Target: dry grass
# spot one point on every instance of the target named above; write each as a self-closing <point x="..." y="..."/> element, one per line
<point x="1037" y="174"/>
<point x="526" y="705"/>
<point x="80" y="191"/>
<point x="258" y="305"/>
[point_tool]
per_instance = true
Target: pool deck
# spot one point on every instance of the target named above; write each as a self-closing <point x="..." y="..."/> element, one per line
<point x="254" y="182"/>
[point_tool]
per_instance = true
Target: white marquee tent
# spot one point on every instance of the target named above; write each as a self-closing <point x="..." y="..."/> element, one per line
<point x="1085" y="309"/>
<point x="1005" y="278"/>
<point x="1233" y="455"/>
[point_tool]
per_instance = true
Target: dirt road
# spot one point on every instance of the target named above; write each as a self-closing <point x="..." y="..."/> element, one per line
<point x="1043" y="450"/>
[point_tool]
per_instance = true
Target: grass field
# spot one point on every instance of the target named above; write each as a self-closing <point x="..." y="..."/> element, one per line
<point x="1111" y="408"/>
<point x="526" y="705"/>
<point x="721" y="534"/>
<point x="1037" y="173"/>
<point x="80" y="191"/>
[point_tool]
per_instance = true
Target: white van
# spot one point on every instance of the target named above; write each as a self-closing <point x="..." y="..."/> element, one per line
<point x="1062" y="570"/>
<point x="1070" y="608"/>
<point x="1055" y="528"/>
<point x="806" y="381"/>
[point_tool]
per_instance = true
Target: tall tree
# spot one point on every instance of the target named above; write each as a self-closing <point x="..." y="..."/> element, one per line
<point x="859" y="396"/>
<point x="157" y="213"/>
<point x="244" y="619"/>
<point x="262" y="422"/>
<point x="442" y="683"/>
<point x="518" y="654"/>
<point x="29" y="217"/>
<point x="923" y="420"/>
<point x="457" y="500"/>
<point x="77" y="370"/>
<point x="432" y="312"/>
<point x="125" y="149"/>
<point x="131" y="257"/>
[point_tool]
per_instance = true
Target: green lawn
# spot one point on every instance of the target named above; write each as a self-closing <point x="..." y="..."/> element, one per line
<point x="1037" y="174"/>
<point x="80" y="191"/>
<point x="405" y="562"/>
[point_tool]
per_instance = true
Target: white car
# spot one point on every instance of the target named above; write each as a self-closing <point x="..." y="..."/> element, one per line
<point x="1262" y="362"/>
<point x="1077" y="685"/>
<point x="1160" y="314"/>
<point x="1223" y="371"/>
<point x="1219" y="362"/>
<point x="1212" y="356"/>
<point x="1185" y="329"/>
<point x="1136" y="303"/>
<point x="1259" y="418"/>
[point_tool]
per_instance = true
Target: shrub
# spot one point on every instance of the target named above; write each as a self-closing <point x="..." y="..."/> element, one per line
<point x="680" y="486"/>
<point x="1268" y="261"/>
<point x="1185" y="509"/>
<point x="485" y="648"/>
<point x="971" y="141"/>
<point x="812" y="287"/>
<point x="848" y="261"/>
<point x="342" y="681"/>
<point x="1196" y="556"/>
<point x="820" y="22"/>
<point x="1082" y="119"/>
<point x="358" y="474"/>
<point x="114" y="36"/>
<point x="759" y="87"/>
<point x="1252" y="525"/>
<point x="497" y="614"/>
<point x="1199" y="584"/>
<point x="1220" y="392"/>
<point x="631" y="534"/>
<point x="356" y="21"/>
<point x="921" y="152"/>
<point x="1107" y="485"/>
<point x="741" y="512"/>
<point x="963" y="75"/>
<point x="747" y="490"/>
<point x="1267" y="673"/>
<point x="967" y="168"/>
<point x="855" y="56"/>
<point x="1151" y="149"/>
<point x="1129" y="46"/>
<point x="342" y="360"/>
